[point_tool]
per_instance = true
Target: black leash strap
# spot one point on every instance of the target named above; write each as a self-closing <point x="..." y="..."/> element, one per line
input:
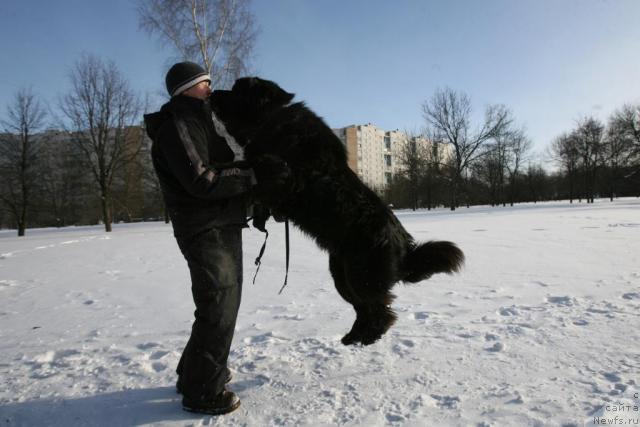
<point x="286" y="238"/>
<point x="259" y="258"/>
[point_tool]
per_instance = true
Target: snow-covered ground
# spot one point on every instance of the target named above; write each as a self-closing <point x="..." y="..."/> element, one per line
<point x="542" y="327"/>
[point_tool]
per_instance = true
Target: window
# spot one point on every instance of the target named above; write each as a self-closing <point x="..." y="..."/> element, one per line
<point x="387" y="143"/>
<point x="387" y="160"/>
<point x="387" y="177"/>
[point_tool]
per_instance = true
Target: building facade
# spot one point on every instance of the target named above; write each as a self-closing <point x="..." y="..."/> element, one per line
<point x="375" y="154"/>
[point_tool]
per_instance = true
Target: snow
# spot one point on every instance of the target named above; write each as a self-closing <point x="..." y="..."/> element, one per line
<point x="542" y="327"/>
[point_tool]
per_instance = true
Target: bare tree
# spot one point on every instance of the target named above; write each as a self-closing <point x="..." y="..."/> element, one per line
<point x="217" y="33"/>
<point x="101" y="110"/>
<point x="564" y="150"/>
<point x="413" y="157"/>
<point x="448" y="114"/>
<point x="18" y="155"/>
<point x="518" y="147"/>
<point x="490" y="169"/>
<point x="590" y="137"/>
<point x="433" y="173"/>
<point x="65" y="182"/>
<point x="624" y="136"/>
<point x="536" y="178"/>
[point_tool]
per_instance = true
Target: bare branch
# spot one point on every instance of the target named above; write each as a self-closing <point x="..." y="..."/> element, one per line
<point x="220" y="34"/>
<point x="101" y="106"/>
<point x="18" y="155"/>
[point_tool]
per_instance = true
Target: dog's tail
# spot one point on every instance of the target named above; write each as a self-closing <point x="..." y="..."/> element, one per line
<point x="429" y="258"/>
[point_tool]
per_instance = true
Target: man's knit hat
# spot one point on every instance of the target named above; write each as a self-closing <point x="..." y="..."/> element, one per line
<point x="184" y="75"/>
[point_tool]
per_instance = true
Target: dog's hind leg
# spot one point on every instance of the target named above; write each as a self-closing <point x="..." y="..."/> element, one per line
<point x="337" y="269"/>
<point x="376" y="319"/>
<point x="370" y="299"/>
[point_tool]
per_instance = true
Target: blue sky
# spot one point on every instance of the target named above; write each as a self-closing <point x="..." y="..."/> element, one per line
<point x="353" y="62"/>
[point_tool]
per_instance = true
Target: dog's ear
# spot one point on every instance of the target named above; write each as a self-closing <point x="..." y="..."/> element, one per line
<point x="262" y="92"/>
<point x="275" y="94"/>
<point x="243" y="85"/>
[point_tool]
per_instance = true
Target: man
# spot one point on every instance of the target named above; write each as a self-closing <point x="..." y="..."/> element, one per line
<point x="205" y="191"/>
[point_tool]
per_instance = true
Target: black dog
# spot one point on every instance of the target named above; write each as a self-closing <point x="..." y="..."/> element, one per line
<point x="369" y="250"/>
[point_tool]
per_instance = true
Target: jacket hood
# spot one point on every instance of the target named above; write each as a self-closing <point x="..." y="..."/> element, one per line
<point x="154" y="121"/>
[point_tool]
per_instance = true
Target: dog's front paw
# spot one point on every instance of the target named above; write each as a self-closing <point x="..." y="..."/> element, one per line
<point x="349" y="339"/>
<point x="364" y="339"/>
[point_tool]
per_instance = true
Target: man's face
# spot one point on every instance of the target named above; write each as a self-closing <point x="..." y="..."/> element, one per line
<point x="201" y="91"/>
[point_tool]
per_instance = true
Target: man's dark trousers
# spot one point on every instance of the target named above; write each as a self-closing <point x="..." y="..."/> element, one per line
<point x="214" y="257"/>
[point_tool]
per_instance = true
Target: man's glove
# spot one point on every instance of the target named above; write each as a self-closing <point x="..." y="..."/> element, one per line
<point x="272" y="173"/>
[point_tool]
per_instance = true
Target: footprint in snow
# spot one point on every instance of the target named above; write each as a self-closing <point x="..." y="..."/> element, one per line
<point x="147" y="345"/>
<point x="262" y="338"/>
<point x="468" y="335"/>
<point x="509" y="311"/>
<point x="158" y="366"/>
<point x="403" y="347"/>
<point x="158" y="355"/>
<point x="496" y="348"/>
<point x="271" y="309"/>
<point x="491" y="337"/>
<point x="446" y="402"/>
<point x="595" y="310"/>
<point x="288" y="317"/>
<point x="315" y="347"/>
<point x="247" y="367"/>
<point x="618" y="388"/>
<point x="566" y="301"/>
<point x="421" y="315"/>
<point x="544" y="285"/>
<point x="612" y="377"/>
<point x="518" y="400"/>
<point x="7" y="284"/>
<point x="631" y="296"/>
<point x="151" y="367"/>
<point x="395" y="418"/>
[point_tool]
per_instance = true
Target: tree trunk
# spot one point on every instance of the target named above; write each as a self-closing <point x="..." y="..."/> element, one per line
<point x="106" y="211"/>
<point x="454" y="190"/>
<point x="22" y="221"/>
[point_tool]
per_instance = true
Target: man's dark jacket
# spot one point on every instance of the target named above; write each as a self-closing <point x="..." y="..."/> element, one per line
<point x="192" y="163"/>
<point x="206" y="199"/>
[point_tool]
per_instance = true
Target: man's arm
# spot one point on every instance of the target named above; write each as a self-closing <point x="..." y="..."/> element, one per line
<point x="195" y="175"/>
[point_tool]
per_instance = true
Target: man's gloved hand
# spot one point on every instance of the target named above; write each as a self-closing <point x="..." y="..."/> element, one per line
<point x="272" y="173"/>
<point x="240" y="164"/>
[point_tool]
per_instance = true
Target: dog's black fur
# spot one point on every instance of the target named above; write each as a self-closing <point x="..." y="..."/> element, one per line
<point x="369" y="250"/>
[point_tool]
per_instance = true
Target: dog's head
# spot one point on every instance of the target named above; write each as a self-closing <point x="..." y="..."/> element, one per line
<point x="248" y="101"/>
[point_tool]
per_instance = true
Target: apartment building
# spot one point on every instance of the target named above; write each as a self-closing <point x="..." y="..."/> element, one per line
<point x="373" y="153"/>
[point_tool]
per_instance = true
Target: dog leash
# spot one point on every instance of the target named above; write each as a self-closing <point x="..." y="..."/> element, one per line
<point x="258" y="260"/>
<point x="286" y="243"/>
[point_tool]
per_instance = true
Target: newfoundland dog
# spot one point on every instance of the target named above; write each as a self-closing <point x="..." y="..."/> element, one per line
<point x="369" y="250"/>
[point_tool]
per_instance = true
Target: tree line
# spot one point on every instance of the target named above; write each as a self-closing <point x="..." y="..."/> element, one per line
<point x="490" y="162"/>
<point x="94" y="166"/>
<point x="86" y="159"/>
